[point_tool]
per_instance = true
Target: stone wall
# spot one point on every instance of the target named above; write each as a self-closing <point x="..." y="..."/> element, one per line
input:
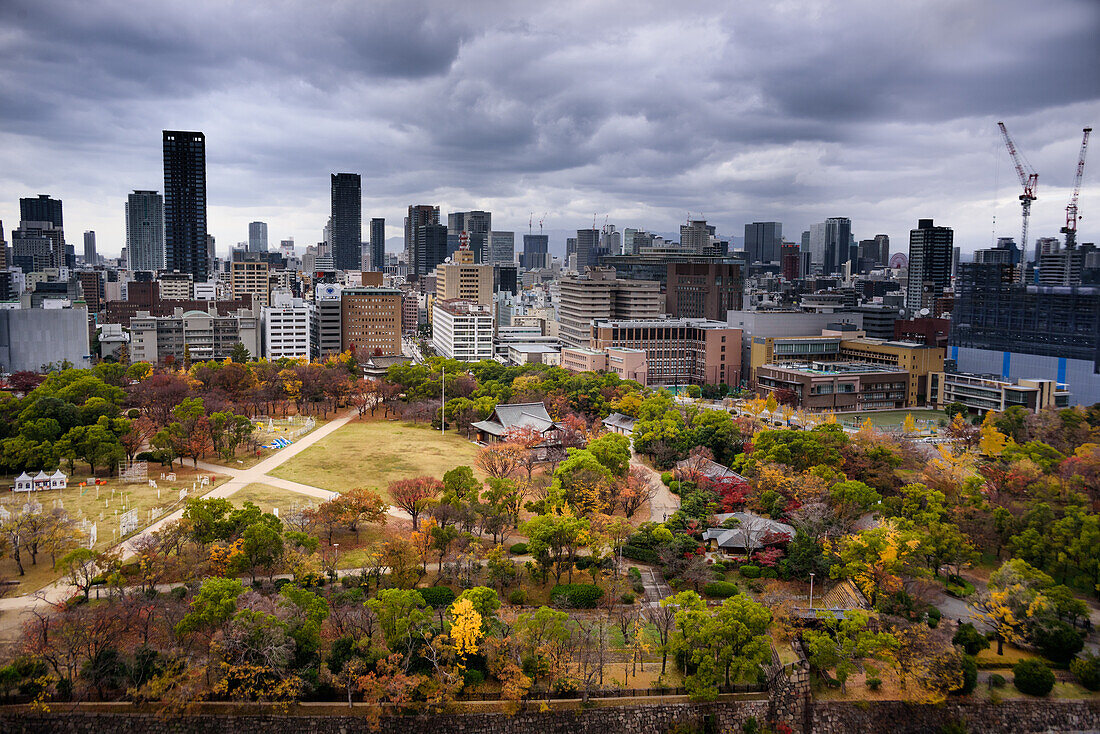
<point x="895" y="717"/>
<point x="651" y="719"/>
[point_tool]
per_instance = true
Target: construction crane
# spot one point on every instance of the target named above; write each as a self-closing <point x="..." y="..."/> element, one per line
<point x="541" y="219"/>
<point x="1029" y="179"/>
<point x="1070" y="230"/>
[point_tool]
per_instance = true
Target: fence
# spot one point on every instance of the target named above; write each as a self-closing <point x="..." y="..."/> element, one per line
<point x="537" y="695"/>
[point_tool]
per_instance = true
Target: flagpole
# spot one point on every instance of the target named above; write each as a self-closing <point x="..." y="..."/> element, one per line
<point x="443" y="401"/>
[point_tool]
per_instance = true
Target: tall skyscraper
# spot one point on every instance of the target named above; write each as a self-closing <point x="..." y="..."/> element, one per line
<point x="419" y="215"/>
<point x="185" y="203"/>
<point x="476" y="224"/>
<point x="347" y="220"/>
<point x="145" y="231"/>
<point x="535" y="251"/>
<point x="89" y="248"/>
<point x="430" y="249"/>
<point x="377" y="243"/>
<point x="930" y="252"/>
<point x="763" y="240"/>
<point x="502" y="248"/>
<point x="838" y="242"/>
<point x="41" y="209"/>
<point x="257" y="236"/>
<point x="588" y="243"/>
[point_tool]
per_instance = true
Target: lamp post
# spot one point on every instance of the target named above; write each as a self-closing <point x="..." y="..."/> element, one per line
<point x="811" y="591"/>
<point x="336" y="559"/>
<point x="443" y="401"/>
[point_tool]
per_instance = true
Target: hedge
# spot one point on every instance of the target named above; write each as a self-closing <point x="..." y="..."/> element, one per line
<point x="637" y="553"/>
<point x="1086" y="670"/>
<point x="750" y="571"/>
<point x="1032" y="677"/>
<point x="666" y="478"/>
<point x="519" y="549"/>
<point x="518" y="597"/>
<point x="437" y="597"/>
<point x="576" y="596"/>
<point x="720" y="589"/>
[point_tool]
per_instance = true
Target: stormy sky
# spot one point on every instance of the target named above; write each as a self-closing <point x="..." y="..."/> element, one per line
<point x="640" y="112"/>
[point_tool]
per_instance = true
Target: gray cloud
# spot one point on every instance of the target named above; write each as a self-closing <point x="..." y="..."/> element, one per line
<point x="639" y="111"/>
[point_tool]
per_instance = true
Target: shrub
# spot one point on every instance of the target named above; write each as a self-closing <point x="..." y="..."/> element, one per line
<point x="1058" y="641"/>
<point x="437" y="597"/>
<point x="667" y="478"/>
<point x="750" y="571"/>
<point x="634" y="573"/>
<point x="637" y="553"/>
<point x="768" y="573"/>
<point x="970" y="675"/>
<point x="934" y="617"/>
<point x="639" y="587"/>
<point x="584" y="563"/>
<point x="280" y="583"/>
<point x="179" y="593"/>
<point x="576" y="596"/>
<point x="1086" y="670"/>
<point x="996" y="680"/>
<point x="874" y="683"/>
<point x="627" y="598"/>
<point x="519" y="549"/>
<point x="1032" y="677"/>
<point x="518" y="597"/>
<point x="959" y="587"/>
<point x="473" y="678"/>
<point x="970" y="639"/>
<point x="720" y="589"/>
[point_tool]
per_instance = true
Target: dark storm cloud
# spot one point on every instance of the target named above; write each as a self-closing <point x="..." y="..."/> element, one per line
<point x="644" y="110"/>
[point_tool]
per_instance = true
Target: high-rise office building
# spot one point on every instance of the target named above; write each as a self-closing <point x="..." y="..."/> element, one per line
<point x="830" y="244"/>
<point x="477" y="225"/>
<point x="703" y="290"/>
<point x="145" y="231"/>
<point x="347" y="220"/>
<point x="763" y="240"/>
<point x="430" y="248"/>
<point x="502" y="247"/>
<point x="874" y="252"/>
<point x="371" y="320"/>
<point x="695" y="236"/>
<point x="419" y="216"/>
<point x="587" y="249"/>
<point x="464" y="279"/>
<point x="185" y="203"/>
<point x="598" y="294"/>
<point x="89" y="248"/>
<point x="377" y="243"/>
<point x="257" y="237"/>
<point x="41" y="209"/>
<point x="930" y="249"/>
<point x="535" y="251"/>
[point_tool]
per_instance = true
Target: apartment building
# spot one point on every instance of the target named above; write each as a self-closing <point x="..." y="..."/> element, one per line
<point x="195" y="335"/>
<point x="286" y="328"/>
<point x="326" y="332"/>
<point x="678" y="351"/>
<point x="371" y="320"/>
<point x="463" y="279"/>
<point x="462" y="330"/>
<point x="628" y="364"/>
<point x="253" y="278"/>
<point x="599" y="295"/>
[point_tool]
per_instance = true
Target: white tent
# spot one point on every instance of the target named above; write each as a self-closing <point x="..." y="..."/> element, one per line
<point x="23" y="483"/>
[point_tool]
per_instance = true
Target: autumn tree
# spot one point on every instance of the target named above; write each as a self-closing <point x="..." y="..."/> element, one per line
<point x="499" y="460"/>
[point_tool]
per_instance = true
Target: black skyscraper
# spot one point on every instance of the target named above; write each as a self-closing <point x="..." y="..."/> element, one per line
<point x="930" y="250"/>
<point x="763" y="240"/>
<point x="41" y="209"/>
<point x="377" y="244"/>
<point x="347" y="220"/>
<point x="185" y="203"/>
<point x="535" y="248"/>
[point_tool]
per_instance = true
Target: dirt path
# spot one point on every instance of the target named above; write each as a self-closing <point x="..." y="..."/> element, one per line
<point x="664" y="502"/>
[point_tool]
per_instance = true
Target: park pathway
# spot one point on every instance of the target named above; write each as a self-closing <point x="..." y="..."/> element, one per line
<point x="238" y="480"/>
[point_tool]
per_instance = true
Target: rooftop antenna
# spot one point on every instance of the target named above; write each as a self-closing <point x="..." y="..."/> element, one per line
<point x="530" y="226"/>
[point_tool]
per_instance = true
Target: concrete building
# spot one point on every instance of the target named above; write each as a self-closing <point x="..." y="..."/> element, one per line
<point x="185" y="245"/>
<point x="535" y="251"/>
<point x="90" y="257"/>
<point x="252" y="278"/>
<point x="462" y="330"/>
<point x="325" y="326"/>
<point x="176" y="286"/>
<point x="598" y="294"/>
<point x="410" y="312"/>
<point x="377" y="243"/>
<point x="33" y="337"/>
<point x="145" y="231"/>
<point x="346" y="211"/>
<point x="930" y="253"/>
<point x="983" y="393"/>
<point x="678" y="351"/>
<point x="464" y="279"/>
<point x="371" y="320"/>
<point x="285" y="327"/>
<point x="502" y="247"/>
<point x="526" y="353"/>
<point x="627" y="363"/>
<point x="703" y="290"/>
<point x="257" y="236"/>
<point x="195" y="335"/>
<point x="476" y="225"/>
<point x="835" y="386"/>
<point x="763" y="241"/>
<point x="695" y="236"/>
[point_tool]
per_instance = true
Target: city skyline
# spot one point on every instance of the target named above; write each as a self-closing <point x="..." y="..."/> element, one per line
<point x="755" y="116"/>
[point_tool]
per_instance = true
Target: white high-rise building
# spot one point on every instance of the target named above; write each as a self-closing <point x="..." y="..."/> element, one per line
<point x="286" y="328"/>
<point x="145" y="231"/>
<point x="462" y="330"/>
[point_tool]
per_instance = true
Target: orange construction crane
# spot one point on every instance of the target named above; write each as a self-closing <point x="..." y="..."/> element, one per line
<point x="1029" y="179"/>
<point x="1070" y="230"/>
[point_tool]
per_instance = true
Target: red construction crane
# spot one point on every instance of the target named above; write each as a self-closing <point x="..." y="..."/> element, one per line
<point x="1029" y="179"/>
<point x="1070" y="230"/>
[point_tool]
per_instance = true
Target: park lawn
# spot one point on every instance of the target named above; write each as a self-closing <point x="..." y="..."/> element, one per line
<point x="989" y="658"/>
<point x="245" y="460"/>
<point x="100" y="505"/>
<point x="374" y="453"/>
<point x="1061" y="690"/>
<point x="267" y="497"/>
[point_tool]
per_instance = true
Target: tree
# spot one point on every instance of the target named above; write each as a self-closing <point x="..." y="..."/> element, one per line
<point x="874" y="559"/>
<point x="635" y="491"/>
<point x="466" y="628"/>
<point x="613" y="451"/>
<point x="555" y="540"/>
<point x="212" y="607"/>
<point x="401" y="615"/>
<point x="261" y="548"/>
<point x="499" y="460"/>
<point x="844" y="643"/>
